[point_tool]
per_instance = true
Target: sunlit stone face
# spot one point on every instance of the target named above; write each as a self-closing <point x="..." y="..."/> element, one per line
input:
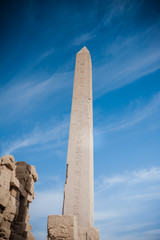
<point x="78" y="192"/>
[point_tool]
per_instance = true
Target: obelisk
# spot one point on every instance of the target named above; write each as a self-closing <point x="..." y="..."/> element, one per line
<point x="78" y="190"/>
<point x="77" y="221"/>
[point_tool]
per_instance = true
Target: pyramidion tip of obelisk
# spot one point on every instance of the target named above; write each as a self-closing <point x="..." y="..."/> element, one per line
<point x="83" y="50"/>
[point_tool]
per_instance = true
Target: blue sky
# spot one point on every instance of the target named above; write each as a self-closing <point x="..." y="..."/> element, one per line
<point x="39" y="41"/>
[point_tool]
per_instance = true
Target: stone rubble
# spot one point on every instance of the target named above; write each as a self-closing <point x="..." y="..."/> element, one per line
<point x="16" y="193"/>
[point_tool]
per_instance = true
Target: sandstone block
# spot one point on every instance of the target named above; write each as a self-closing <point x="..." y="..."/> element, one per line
<point x="10" y="157"/>
<point x="5" y="176"/>
<point x="26" y="220"/>
<point x="21" y="217"/>
<point x="6" y="224"/>
<point x="4" y="232"/>
<point x="11" y="208"/>
<point x="21" y="172"/>
<point x="62" y="227"/>
<point x="30" y="237"/>
<point x="8" y="215"/>
<point x="28" y="228"/>
<point x="82" y="233"/>
<point x="94" y="234"/>
<point x="4" y="197"/>
<point x="88" y="233"/>
<point x="30" y="185"/>
<point x="29" y="198"/>
<point x="23" y="192"/>
<point x="8" y="161"/>
<point x="32" y="170"/>
<point x="14" y="182"/>
<point x="15" y="193"/>
<point x="22" y="163"/>
<point x="1" y="217"/>
<point x="15" y="236"/>
<point x="19" y="229"/>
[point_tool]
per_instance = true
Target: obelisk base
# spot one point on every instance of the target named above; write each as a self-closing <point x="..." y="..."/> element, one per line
<point x="65" y="227"/>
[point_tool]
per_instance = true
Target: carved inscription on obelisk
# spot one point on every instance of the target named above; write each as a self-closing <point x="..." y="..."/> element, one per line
<point x="78" y="191"/>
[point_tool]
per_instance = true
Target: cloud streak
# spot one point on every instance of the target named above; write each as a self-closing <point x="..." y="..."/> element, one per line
<point x="40" y="136"/>
<point x="135" y="177"/>
<point x="30" y="92"/>
<point x="129" y="58"/>
<point x="45" y="55"/>
<point x="128" y="204"/>
<point x="128" y="201"/>
<point x="83" y="38"/>
<point x="132" y="116"/>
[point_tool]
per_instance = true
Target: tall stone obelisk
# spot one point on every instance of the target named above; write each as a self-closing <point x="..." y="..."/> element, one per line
<point x="77" y="221"/>
<point x="78" y="191"/>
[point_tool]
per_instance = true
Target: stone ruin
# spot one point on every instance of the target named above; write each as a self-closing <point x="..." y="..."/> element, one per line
<point x="16" y="193"/>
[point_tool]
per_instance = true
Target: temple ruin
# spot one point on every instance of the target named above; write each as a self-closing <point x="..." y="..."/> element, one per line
<point x="16" y="193"/>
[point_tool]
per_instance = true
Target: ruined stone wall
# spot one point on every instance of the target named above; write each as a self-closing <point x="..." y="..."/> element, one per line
<point x="16" y="193"/>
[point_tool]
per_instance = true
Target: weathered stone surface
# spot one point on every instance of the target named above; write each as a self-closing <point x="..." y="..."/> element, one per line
<point x="94" y="234"/>
<point x="32" y="170"/>
<point x="15" y="236"/>
<point x="4" y="233"/>
<point x="4" y="197"/>
<point x="22" y="190"/>
<point x="65" y="227"/>
<point x="1" y="218"/>
<point x="6" y="224"/>
<point x="30" y="185"/>
<point x="62" y="227"/>
<point x="5" y="176"/>
<point x="82" y="233"/>
<point x="78" y="191"/>
<point x="8" y="161"/>
<point x="78" y="205"/>
<point x="16" y="192"/>
<point x="8" y="216"/>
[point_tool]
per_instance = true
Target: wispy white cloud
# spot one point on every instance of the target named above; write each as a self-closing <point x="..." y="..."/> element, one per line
<point x="154" y="232"/>
<point x="18" y="95"/>
<point x="24" y="91"/>
<point x="143" y="175"/>
<point x="128" y="59"/>
<point x="40" y="136"/>
<point x="132" y="115"/>
<point x="117" y="8"/>
<point x="58" y="132"/>
<point x="83" y="38"/>
<point x="135" y="177"/>
<point x="129" y="204"/>
<point x="44" y="55"/>
<point x="121" y="213"/>
<point x="127" y="71"/>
